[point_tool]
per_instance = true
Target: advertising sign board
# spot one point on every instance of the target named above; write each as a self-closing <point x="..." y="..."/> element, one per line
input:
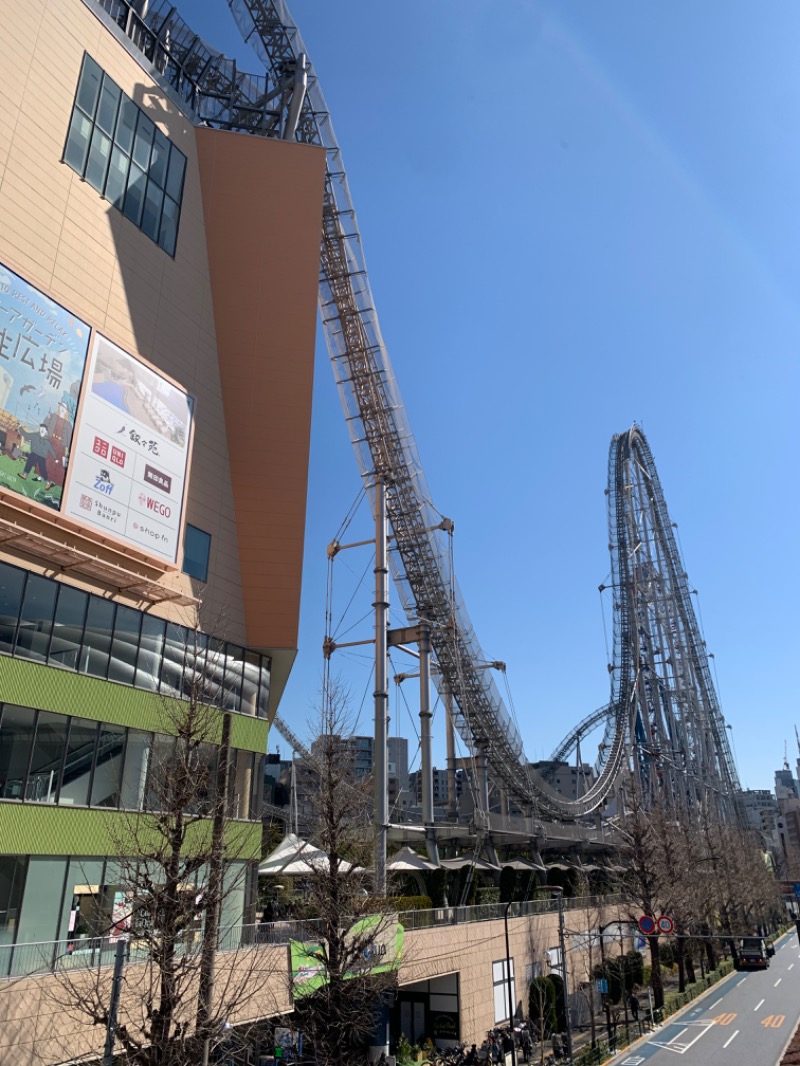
<point x="380" y="954"/>
<point x="129" y="459"/>
<point x="42" y="359"/>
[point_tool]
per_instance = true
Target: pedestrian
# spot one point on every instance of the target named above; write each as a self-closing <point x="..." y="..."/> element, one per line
<point x="471" y="1058"/>
<point x="527" y="1046"/>
<point x="558" y="1047"/>
<point x="633" y="1003"/>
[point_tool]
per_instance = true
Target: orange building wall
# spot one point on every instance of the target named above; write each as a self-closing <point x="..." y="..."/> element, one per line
<point x="262" y="202"/>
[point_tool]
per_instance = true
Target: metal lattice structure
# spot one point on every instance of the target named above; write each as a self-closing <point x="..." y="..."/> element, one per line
<point x="663" y="722"/>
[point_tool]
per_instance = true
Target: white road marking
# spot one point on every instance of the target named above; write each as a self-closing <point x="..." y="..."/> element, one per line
<point x="760" y="1004"/>
<point x="731" y="1039"/>
<point x="716" y="1001"/>
<point x="672" y="1041"/>
<point x="777" y="982"/>
<point x="791" y="964"/>
<point x="681" y="1049"/>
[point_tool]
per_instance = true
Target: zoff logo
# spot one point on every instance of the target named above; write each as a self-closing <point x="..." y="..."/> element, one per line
<point x="103" y="483"/>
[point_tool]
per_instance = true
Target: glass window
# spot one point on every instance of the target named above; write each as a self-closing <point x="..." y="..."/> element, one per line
<point x="12" y="882"/>
<point x="41" y="905"/>
<point x="263" y="688"/>
<point x="117" y="180"/>
<point x="158" y="771"/>
<point x="195" y="680"/>
<point x="107" y="777"/>
<point x="134" y="197"/>
<point x="234" y="667"/>
<point x="12" y="581"/>
<point x="168" y="235"/>
<point x="196" y="551"/>
<point x="125" y="646"/>
<point x="177" y="166"/>
<point x="134" y="774"/>
<point x="250" y="682"/>
<point x="143" y="141"/>
<point x="97" y="638"/>
<point x="126" y="125"/>
<point x="78" y="137"/>
<point x="159" y="159"/>
<point x="110" y="96"/>
<point x="151" y="650"/>
<point x="78" y="762"/>
<point x="89" y="86"/>
<point x="16" y="741"/>
<point x="68" y="627"/>
<point x="151" y="216"/>
<point x="48" y="755"/>
<point x="36" y="621"/>
<point x="174" y="655"/>
<point x="115" y="146"/>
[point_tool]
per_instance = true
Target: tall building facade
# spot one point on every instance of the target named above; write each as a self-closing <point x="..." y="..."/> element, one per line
<point x="158" y="286"/>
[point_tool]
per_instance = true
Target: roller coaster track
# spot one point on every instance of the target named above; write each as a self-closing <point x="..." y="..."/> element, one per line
<point x="665" y="728"/>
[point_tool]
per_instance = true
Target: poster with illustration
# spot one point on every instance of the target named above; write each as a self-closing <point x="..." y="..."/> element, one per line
<point x="43" y="349"/>
<point x="128" y="470"/>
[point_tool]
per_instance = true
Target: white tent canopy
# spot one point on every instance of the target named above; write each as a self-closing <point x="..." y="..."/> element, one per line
<point x="408" y="861"/>
<point x="295" y="857"/>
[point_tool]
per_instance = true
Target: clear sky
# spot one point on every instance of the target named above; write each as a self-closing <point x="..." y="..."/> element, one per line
<point x="575" y="215"/>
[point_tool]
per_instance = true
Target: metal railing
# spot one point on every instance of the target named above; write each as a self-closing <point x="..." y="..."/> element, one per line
<point x="89" y="953"/>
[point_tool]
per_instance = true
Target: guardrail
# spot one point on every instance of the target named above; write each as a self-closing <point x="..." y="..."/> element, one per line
<point x="28" y="960"/>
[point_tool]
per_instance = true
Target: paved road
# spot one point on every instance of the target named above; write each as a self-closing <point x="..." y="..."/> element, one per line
<point x="746" y="1020"/>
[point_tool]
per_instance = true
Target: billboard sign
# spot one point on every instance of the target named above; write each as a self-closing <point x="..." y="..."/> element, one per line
<point x="42" y="360"/>
<point x="128" y="463"/>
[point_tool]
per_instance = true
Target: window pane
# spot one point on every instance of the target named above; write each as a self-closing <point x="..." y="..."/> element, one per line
<point x="234" y="666"/>
<point x="125" y="647"/>
<point x="97" y="163"/>
<point x="151" y="216"/>
<point x="158" y="771"/>
<point x="78" y="764"/>
<point x="177" y="166"/>
<point x="48" y="753"/>
<point x="126" y="125"/>
<point x="97" y="639"/>
<point x="194" y="674"/>
<point x="68" y="627"/>
<point x="134" y="197"/>
<point x="108" y="766"/>
<point x="174" y="655"/>
<point x="168" y="234"/>
<point x="12" y="882"/>
<point x="12" y="581"/>
<point x="143" y="141"/>
<point x="109" y="102"/>
<point x="158" y="161"/>
<point x="77" y="147"/>
<point x="196" y="551"/>
<point x="263" y="688"/>
<point x="252" y="674"/>
<point x="36" y="622"/>
<point x="117" y="179"/>
<point x="16" y="741"/>
<point x="151" y="649"/>
<point x="89" y="86"/>
<point x="134" y="774"/>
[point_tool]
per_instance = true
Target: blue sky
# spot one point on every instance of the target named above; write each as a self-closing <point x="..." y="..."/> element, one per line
<point x="575" y="215"/>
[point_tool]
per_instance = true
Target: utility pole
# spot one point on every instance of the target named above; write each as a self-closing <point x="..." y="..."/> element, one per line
<point x="510" y="995"/>
<point x="559" y="892"/>
<point x="113" y="1007"/>
<point x="380" y="767"/>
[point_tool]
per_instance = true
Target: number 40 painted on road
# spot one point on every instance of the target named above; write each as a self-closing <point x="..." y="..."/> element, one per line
<point x="773" y="1021"/>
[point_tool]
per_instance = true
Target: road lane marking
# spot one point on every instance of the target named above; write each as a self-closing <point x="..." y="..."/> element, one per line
<point x="760" y="1004"/>
<point x="791" y="964"/>
<point x="730" y="1039"/>
<point x="777" y="982"/>
<point x="714" y="1004"/>
<point x="677" y="1035"/>
<point x="681" y="1049"/>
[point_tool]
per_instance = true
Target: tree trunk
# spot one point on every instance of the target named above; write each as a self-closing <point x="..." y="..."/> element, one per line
<point x="681" y="957"/>
<point x="655" y="972"/>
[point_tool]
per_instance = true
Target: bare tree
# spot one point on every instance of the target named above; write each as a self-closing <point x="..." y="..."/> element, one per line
<point x="355" y="955"/>
<point x="175" y="871"/>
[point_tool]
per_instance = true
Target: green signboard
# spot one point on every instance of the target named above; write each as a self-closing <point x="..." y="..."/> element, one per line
<point x="382" y="952"/>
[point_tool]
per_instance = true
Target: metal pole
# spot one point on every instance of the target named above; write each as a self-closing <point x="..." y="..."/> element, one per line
<point x="450" y="737"/>
<point x="425" y="717"/>
<point x="380" y="769"/>
<point x="601" y="930"/>
<point x="116" y="987"/>
<point x="562" y="944"/>
<point x="510" y="996"/>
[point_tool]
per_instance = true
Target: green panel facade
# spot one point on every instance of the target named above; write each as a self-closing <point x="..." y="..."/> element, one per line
<point x="49" y="689"/>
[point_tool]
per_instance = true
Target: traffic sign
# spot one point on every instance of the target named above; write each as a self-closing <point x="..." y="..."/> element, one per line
<point x="647" y="924"/>
<point x="796" y="888"/>
<point x="665" y="924"/>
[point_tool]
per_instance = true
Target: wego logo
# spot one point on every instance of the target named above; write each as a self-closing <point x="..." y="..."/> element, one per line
<point x="154" y="505"/>
<point x="155" y="477"/>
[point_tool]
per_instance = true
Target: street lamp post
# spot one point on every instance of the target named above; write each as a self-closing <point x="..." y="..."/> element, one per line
<point x="559" y="894"/>
<point x="510" y="996"/>
<point x="601" y="930"/>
